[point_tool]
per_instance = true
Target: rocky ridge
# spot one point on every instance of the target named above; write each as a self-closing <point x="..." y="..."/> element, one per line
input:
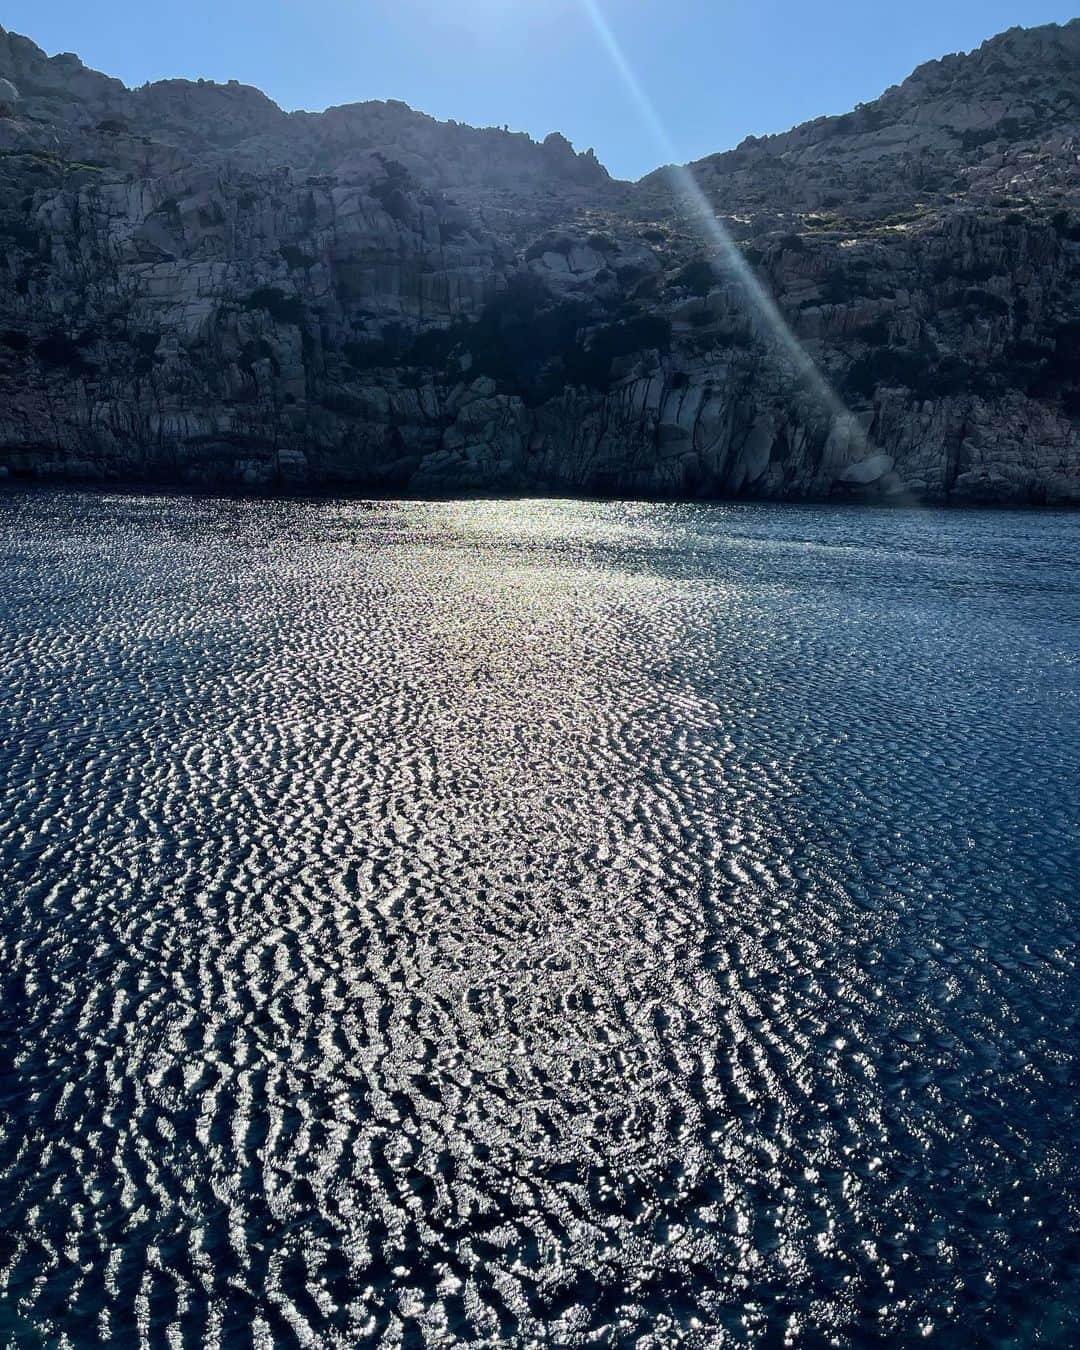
<point x="201" y="288"/>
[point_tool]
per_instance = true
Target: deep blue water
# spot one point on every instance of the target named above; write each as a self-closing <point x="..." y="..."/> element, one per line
<point x="537" y="923"/>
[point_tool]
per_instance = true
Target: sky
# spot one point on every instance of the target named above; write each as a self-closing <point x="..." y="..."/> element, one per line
<point x="714" y="70"/>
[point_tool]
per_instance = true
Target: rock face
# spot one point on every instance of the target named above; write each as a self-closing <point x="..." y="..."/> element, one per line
<point x="201" y="288"/>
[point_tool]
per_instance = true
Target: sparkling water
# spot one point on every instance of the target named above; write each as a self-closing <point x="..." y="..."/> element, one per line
<point x="540" y="923"/>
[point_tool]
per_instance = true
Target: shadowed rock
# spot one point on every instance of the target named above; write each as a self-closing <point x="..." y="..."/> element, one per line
<point x="205" y="288"/>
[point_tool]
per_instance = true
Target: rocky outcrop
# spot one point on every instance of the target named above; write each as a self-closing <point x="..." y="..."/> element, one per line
<point x="202" y="288"/>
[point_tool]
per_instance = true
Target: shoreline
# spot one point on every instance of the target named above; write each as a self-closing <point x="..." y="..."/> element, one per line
<point x="11" y="485"/>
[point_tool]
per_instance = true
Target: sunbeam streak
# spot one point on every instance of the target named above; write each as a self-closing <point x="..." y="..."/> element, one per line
<point x="764" y="310"/>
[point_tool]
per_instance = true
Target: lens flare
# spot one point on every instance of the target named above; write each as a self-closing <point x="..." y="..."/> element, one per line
<point x="764" y="310"/>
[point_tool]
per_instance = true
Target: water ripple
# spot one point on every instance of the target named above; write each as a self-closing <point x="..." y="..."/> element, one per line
<point x="536" y="923"/>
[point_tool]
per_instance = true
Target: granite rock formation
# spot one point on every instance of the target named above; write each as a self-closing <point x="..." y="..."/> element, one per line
<point x="201" y="288"/>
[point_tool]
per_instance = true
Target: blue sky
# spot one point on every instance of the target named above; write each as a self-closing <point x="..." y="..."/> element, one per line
<point x="716" y="70"/>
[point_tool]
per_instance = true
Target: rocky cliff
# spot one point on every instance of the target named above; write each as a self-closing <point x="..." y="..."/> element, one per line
<point x="199" y="287"/>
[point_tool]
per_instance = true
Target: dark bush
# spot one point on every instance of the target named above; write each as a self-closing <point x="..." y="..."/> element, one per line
<point x="973" y="140"/>
<point x="1026" y="353"/>
<point x="838" y="288"/>
<point x="281" y="307"/>
<point x="520" y="333"/>
<point x="869" y="116"/>
<point x="295" y="257"/>
<point x="25" y="236"/>
<point x="394" y="201"/>
<point x="590" y="365"/>
<point x="377" y="353"/>
<point x="1063" y="366"/>
<point x="16" y="341"/>
<point x="1009" y="128"/>
<point x="925" y="372"/>
<point x="390" y="191"/>
<point x="210" y="217"/>
<point x="980" y="302"/>
<point x="258" y="349"/>
<point x="530" y="344"/>
<point x="61" y="351"/>
<point x="698" y="276"/>
<point x="948" y="270"/>
<point x="629" y="274"/>
<point x="1065" y="227"/>
<point x="875" y="334"/>
<point x="549" y="243"/>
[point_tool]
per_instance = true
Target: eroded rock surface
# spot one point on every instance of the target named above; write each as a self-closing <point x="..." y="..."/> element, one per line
<point x="202" y="288"/>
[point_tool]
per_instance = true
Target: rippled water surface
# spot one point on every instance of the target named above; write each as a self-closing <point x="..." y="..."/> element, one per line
<point x="537" y="923"/>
